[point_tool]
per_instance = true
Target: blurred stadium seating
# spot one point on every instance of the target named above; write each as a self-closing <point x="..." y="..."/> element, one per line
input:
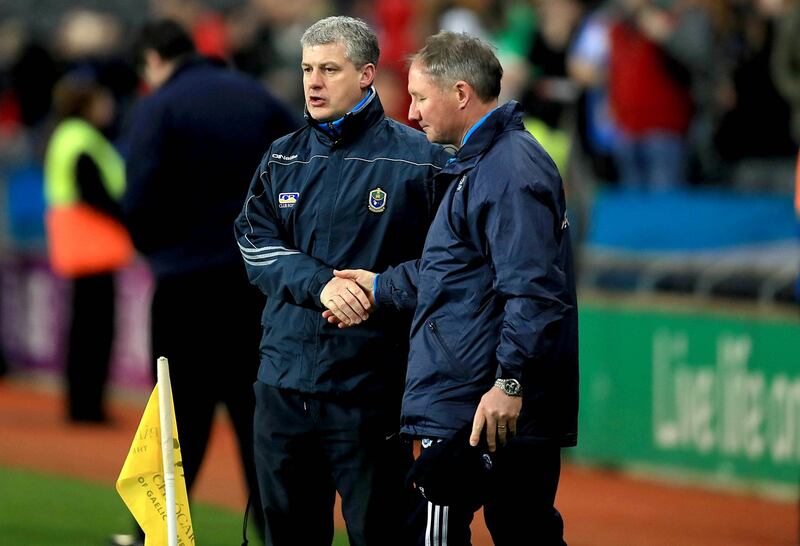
<point x="699" y="242"/>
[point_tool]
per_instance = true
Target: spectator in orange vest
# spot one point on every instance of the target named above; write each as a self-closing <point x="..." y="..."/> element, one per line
<point x="84" y="178"/>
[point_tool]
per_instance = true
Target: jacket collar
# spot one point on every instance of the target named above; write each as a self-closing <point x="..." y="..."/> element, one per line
<point x="352" y="124"/>
<point x="501" y="119"/>
<point x="191" y="61"/>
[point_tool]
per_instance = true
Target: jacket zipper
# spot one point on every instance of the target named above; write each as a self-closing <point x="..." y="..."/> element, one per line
<point x="440" y="341"/>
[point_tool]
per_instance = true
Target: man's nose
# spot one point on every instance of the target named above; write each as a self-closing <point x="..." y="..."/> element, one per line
<point x="313" y="79"/>
<point x="413" y="112"/>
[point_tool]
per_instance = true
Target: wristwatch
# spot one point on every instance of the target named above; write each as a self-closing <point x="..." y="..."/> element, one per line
<point x="511" y="387"/>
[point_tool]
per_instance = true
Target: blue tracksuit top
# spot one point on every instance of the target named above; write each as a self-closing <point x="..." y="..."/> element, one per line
<point x="494" y="291"/>
<point x="359" y="196"/>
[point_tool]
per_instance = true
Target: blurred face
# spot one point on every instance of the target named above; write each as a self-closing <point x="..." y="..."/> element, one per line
<point x="156" y="71"/>
<point x="435" y="109"/>
<point x="771" y="8"/>
<point x="331" y="82"/>
<point x="101" y="109"/>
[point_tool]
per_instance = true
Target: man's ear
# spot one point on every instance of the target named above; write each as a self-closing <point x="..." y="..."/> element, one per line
<point x="464" y="93"/>
<point x="367" y="75"/>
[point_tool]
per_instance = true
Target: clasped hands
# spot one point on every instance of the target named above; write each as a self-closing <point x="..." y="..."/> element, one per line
<point x="348" y="297"/>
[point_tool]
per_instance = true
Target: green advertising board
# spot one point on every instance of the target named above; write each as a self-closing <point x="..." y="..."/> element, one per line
<point x="709" y="392"/>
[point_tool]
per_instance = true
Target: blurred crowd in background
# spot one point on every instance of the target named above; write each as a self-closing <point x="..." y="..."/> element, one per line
<point x="694" y="98"/>
<point x="699" y="98"/>
<point x="653" y="93"/>
<point x="645" y="94"/>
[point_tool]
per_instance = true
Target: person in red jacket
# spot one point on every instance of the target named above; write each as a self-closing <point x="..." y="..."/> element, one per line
<point x="649" y="97"/>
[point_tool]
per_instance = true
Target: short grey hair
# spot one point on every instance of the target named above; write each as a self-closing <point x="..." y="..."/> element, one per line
<point x="449" y="57"/>
<point x="360" y="42"/>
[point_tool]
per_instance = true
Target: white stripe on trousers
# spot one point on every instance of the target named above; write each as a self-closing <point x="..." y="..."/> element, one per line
<point x="436" y="528"/>
<point x="428" y="526"/>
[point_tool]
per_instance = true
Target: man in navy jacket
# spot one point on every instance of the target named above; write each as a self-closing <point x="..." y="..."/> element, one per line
<point x="494" y="339"/>
<point x="352" y="187"/>
<point x="192" y="146"/>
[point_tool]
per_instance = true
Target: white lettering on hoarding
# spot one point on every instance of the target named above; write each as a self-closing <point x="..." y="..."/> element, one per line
<point x="722" y="407"/>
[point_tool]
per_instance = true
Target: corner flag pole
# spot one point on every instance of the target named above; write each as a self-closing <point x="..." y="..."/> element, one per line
<point x="167" y="443"/>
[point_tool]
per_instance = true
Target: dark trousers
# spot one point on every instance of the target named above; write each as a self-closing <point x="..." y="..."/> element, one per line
<point x="91" y="335"/>
<point x="307" y="449"/>
<point x="207" y="324"/>
<point x="520" y="510"/>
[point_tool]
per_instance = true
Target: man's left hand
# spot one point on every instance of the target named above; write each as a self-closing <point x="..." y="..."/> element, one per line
<point x="498" y="412"/>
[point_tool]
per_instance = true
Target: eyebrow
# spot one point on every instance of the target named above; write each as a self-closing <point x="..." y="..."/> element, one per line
<point x="322" y="64"/>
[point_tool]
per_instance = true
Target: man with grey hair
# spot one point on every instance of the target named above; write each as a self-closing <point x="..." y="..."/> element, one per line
<point x="352" y="187"/>
<point x="493" y="366"/>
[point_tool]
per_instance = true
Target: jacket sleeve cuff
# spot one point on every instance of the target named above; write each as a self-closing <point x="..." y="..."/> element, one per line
<point x="317" y="284"/>
<point x="383" y="290"/>
<point x="509" y="372"/>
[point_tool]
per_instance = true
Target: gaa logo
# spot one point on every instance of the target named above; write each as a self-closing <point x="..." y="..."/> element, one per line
<point x="377" y="200"/>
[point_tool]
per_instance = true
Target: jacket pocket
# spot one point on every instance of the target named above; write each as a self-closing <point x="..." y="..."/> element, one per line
<point x="457" y="371"/>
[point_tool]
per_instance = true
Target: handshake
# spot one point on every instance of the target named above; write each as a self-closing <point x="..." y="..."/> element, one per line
<point x="348" y="297"/>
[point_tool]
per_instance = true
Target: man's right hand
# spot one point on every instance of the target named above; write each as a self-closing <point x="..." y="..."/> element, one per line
<point x="346" y="300"/>
<point x="365" y="280"/>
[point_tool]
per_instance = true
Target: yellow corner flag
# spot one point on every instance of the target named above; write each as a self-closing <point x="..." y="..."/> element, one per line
<point x="145" y="487"/>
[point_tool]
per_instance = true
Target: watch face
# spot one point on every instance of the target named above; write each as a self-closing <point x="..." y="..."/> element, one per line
<point x="512" y="387"/>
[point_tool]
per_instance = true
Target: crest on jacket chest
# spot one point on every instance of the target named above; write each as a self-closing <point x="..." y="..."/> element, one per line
<point x="377" y="200"/>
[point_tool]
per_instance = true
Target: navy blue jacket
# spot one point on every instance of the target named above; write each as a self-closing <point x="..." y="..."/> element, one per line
<point x="494" y="290"/>
<point x="363" y="199"/>
<point x="190" y="153"/>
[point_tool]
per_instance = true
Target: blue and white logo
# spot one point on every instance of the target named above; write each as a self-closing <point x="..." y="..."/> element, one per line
<point x="288" y="200"/>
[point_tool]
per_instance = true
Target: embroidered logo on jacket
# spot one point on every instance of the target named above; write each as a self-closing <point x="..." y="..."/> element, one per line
<point x="287" y="200"/>
<point x="377" y="200"/>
